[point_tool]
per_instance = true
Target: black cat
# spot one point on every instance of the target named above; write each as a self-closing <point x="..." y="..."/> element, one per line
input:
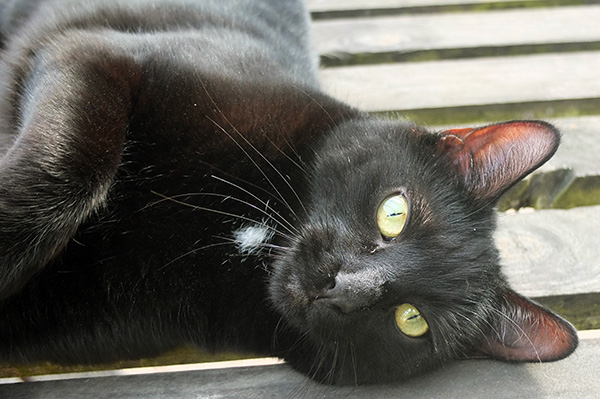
<point x="174" y="175"/>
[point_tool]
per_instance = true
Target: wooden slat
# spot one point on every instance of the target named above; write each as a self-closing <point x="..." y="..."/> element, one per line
<point x="574" y="377"/>
<point x="577" y="149"/>
<point x="551" y="252"/>
<point x="460" y="83"/>
<point x="442" y="34"/>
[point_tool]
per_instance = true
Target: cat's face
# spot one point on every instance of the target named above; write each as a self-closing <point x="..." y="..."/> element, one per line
<point x="394" y="269"/>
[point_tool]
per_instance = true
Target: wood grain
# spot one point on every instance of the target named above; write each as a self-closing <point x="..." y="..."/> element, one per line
<point x="551" y="252"/>
<point x="473" y="82"/>
<point x="445" y="31"/>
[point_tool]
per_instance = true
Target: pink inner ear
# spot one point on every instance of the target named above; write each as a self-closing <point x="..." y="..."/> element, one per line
<point x="492" y="158"/>
<point x="528" y="332"/>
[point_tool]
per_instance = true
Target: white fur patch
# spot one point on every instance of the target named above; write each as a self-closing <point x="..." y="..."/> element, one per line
<point x="249" y="239"/>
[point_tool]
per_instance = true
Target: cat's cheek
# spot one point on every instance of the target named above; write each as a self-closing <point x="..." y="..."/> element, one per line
<point x="294" y="293"/>
<point x="299" y="308"/>
<point x="286" y="295"/>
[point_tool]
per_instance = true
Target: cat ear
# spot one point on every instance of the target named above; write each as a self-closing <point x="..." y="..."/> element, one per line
<point x="525" y="331"/>
<point x="493" y="158"/>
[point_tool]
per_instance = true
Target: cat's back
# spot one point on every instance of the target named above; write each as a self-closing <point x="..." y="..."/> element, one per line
<point x="254" y="38"/>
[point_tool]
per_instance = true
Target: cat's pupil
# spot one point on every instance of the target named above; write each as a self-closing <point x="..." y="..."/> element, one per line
<point x="391" y="216"/>
<point x="409" y="321"/>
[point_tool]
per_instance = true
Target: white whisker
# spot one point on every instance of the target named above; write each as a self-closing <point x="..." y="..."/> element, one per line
<point x="314" y="100"/>
<point x="266" y="204"/>
<point x="232" y="215"/>
<point x="292" y="160"/>
<point x="228" y="197"/>
<point x="192" y="252"/>
<point x="281" y="197"/>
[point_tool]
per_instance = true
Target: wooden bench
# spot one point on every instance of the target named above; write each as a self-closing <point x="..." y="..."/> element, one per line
<point x="451" y="63"/>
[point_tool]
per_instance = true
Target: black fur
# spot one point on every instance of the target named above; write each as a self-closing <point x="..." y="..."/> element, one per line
<point x="140" y="136"/>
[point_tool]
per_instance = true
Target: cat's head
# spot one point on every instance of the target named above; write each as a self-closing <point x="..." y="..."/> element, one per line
<point x="395" y="270"/>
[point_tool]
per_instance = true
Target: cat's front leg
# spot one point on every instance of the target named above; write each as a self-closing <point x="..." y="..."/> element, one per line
<point x="71" y="118"/>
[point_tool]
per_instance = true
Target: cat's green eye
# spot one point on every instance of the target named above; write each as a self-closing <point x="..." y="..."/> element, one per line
<point x="391" y="216"/>
<point x="410" y="321"/>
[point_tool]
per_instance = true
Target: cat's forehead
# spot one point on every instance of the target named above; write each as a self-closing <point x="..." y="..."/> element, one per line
<point x="374" y="134"/>
<point x="374" y="156"/>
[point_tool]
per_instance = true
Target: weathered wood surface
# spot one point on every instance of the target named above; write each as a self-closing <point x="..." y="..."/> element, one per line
<point x="573" y="378"/>
<point x="551" y="252"/>
<point x="472" y="82"/>
<point x="577" y="152"/>
<point x="457" y="34"/>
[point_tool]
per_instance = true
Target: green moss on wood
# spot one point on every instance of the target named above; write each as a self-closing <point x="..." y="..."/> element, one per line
<point x="583" y="310"/>
<point x="497" y="112"/>
<point x="183" y="355"/>
<point x="583" y="191"/>
<point x="347" y="59"/>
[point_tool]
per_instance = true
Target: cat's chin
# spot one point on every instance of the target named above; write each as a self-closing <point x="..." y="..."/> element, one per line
<point x="363" y="354"/>
<point x="327" y="320"/>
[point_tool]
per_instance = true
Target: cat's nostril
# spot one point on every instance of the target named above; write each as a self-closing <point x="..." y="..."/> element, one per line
<point x="328" y="290"/>
<point x="337" y="295"/>
<point x="330" y="284"/>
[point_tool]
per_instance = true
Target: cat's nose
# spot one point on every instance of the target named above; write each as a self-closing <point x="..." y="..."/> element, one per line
<point x="337" y="295"/>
